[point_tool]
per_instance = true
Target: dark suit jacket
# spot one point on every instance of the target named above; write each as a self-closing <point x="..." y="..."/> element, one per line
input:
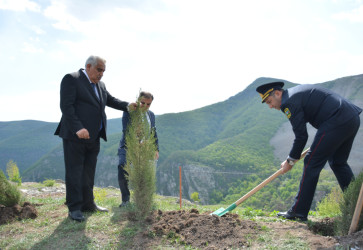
<point x="81" y="108"/>
<point x="125" y="122"/>
<point x="319" y="107"/>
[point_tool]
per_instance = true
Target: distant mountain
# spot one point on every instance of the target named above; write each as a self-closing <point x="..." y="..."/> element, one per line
<point x="25" y="142"/>
<point x="224" y="149"/>
<point x="28" y="141"/>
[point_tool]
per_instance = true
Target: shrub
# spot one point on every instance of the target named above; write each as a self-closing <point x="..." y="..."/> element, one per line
<point x="49" y="183"/>
<point x="9" y="193"/>
<point x="13" y="172"/>
<point x="347" y="207"/>
<point x="195" y="196"/>
<point x="329" y="206"/>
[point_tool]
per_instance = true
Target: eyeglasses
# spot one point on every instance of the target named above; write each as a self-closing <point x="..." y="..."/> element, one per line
<point x="144" y="103"/>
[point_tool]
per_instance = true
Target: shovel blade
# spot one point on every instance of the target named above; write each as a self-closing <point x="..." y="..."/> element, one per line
<point x="221" y="211"/>
<point x="218" y="211"/>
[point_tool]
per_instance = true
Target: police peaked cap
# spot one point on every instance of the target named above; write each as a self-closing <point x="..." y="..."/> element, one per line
<point x="266" y="89"/>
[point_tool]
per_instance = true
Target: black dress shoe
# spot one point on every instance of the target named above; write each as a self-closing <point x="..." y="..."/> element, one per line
<point x="292" y="216"/>
<point x="76" y="215"/>
<point x="95" y="208"/>
<point x="124" y="204"/>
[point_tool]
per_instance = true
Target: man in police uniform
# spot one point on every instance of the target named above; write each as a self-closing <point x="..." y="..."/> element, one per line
<point x="337" y="122"/>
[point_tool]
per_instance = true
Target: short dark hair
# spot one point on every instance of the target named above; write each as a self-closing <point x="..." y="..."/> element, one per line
<point x="279" y="89"/>
<point x="147" y="95"/>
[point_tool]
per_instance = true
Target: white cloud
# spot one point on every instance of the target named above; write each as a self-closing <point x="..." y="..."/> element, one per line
<point x="38" y="30"/>
<point x="19" y="5"/>
<point x="354" y="16"/>
<point x="31" y="48"/>
<point x="64" y="20"/>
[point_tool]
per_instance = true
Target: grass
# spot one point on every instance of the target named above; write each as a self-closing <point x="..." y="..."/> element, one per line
<point x="268" y="239"/>
<point x="292" y="242"/>
<point x="52" y="229"/>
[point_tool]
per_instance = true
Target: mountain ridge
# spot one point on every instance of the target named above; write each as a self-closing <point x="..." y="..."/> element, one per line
<point x="237" y="134"/>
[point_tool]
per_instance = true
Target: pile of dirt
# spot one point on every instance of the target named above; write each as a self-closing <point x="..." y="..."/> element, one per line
<point x="324" y="227"/>
<point x="352" y="241"/>
<point x="9" y="214"/>
<point x="203" y="230"/>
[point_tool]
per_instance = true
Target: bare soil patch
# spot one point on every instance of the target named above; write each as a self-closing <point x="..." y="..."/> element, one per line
<point x="354" y="241"/>
<point x="9" y="214"/>
<point x="204" y="230"/>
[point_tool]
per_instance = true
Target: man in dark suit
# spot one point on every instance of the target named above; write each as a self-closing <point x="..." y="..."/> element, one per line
<point x="337" y="122"/>
<point x="83" y="97"/>
<point x="146" y="99"/>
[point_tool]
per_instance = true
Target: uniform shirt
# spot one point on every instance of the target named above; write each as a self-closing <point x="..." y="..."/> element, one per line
<point x="315" y="105"/>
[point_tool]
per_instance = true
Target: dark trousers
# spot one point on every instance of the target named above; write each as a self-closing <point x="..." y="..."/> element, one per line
<point x="122" y="173"/>
<point x="80" y="164"/>
<point x="331" y="145"/>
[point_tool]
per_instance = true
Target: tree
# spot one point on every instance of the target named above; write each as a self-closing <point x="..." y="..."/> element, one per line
<point x="13" y="172"/>
<point x="141" y="148"/>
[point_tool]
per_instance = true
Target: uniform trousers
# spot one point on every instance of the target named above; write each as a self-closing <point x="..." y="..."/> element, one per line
<point x="332" y="145"/>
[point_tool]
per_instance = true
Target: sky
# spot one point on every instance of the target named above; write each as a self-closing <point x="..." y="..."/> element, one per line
<point x="188" y="53"/>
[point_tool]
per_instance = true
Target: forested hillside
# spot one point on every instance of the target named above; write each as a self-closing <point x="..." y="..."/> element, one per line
<point x="25" y="142"/>
<point x="224" y="149"/>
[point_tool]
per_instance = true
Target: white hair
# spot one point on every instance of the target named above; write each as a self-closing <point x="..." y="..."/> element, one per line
<point x="93" y="60"/>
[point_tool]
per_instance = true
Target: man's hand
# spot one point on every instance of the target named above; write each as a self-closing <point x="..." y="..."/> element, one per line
<point x="83" y="134"/>
<point x="286" y="167"/>
<point x="132" y="106"/>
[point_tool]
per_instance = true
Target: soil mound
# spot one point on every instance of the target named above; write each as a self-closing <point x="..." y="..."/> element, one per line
<point x="352" y="241"/>
<point x="324" y="227"/>
<point x="9" y="214"/>
<point x="203" y="230"/>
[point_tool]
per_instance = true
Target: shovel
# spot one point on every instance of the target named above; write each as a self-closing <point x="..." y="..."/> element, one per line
<point x="221" y="211"/>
